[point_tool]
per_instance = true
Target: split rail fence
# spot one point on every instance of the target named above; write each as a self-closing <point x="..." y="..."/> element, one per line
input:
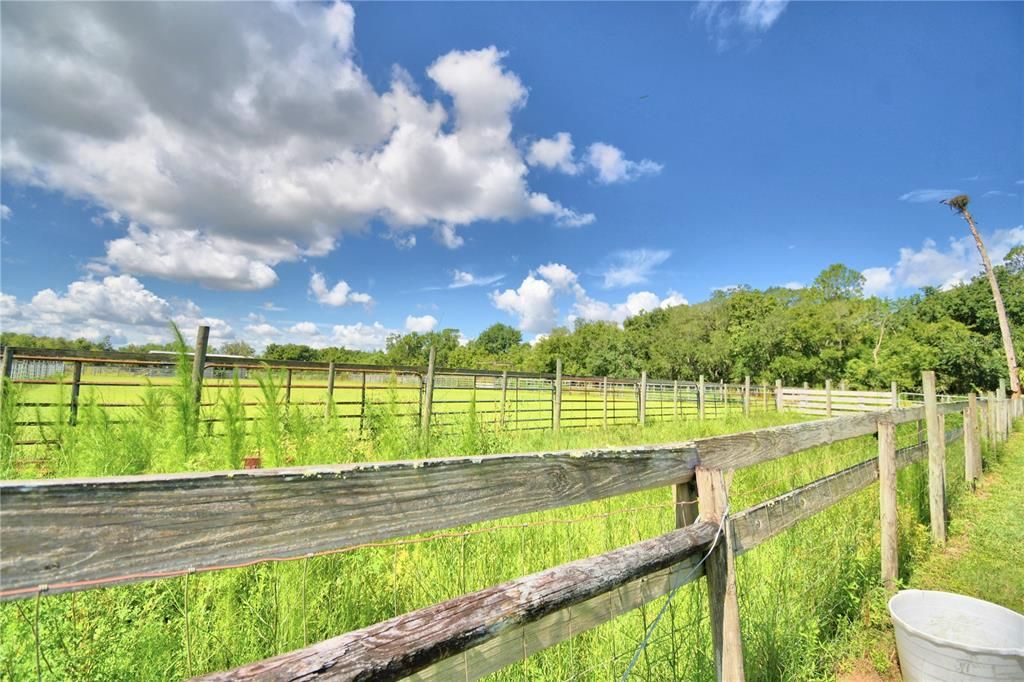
<point x="67" y="535"/>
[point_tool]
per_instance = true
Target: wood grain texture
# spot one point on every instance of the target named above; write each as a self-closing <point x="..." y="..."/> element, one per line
<point x="887" y="503"/>
<point x="409" y="643"/>
<point x="762" y="522"/>
<point x="720" y="570"/>
<point x="739" y="450"/>
<point x="521" y="641"/>
<point x="62" y="532"/>
<point x="936" y="459"/>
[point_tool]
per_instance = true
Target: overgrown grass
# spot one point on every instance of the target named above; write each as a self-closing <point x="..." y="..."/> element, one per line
<point x="799" y="593"/>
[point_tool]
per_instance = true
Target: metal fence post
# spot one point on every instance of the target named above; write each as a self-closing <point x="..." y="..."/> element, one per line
<point x="504" y="393"/>
<point x="746" y="396"/>
<point x="700" y="397"/>
<point x="199" y="365"/>
<point x="76" y="387"/>
<point x="556" y="401"/>
<point x="428" y="395"/>
<point x="642" y="416"/>
<point x="329" y="407"/>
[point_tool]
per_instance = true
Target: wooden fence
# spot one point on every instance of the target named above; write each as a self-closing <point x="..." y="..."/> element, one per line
<point x="68" y="535"/>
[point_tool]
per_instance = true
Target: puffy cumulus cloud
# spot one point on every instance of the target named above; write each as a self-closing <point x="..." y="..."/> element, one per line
<point x="421" y="324"/>
<point x="877" y="281"/>
<point x="338" y="295"/>
<point x="188" y="255"/>
<point x="673" y="299"/>
<point x="534" y="302"/>
<point x="934" y="266"/>
<point x="5" y="212"/>
<point x="554" y="154"/>
<point x="612" y="166"/>
<point x="560" y="276"/>
<point x="361" y="336"/>
<point x="118" y="306"/>
<point x="733" y="23"/>
<point x="633" y="267"/>
<point x="260" y="137"/>
<point x="304" y="328"/>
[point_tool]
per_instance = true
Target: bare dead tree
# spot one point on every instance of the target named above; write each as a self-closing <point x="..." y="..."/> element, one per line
<point x="959" y="204"/>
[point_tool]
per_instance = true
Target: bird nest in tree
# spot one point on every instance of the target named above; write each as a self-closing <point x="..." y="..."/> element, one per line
<point x="958" y="203"/>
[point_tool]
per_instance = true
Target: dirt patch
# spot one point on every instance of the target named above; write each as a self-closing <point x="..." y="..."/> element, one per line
<point x="865" y="670"/>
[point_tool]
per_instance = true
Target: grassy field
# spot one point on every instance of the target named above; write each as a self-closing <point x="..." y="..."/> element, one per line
<point x="798" y="593"/>
<point x="983" y="558"/>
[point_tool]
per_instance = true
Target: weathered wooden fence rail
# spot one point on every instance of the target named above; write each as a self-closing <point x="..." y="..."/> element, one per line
<point x="68" y="535"/>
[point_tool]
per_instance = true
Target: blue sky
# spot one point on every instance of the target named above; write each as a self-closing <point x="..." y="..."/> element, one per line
<point x="332" y="173"/>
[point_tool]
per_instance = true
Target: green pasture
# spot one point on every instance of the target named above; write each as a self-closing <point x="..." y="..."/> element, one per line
<point x="798" y="593"/>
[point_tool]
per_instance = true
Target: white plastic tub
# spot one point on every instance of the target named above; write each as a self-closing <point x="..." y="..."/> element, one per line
<point x="945" y="637"/>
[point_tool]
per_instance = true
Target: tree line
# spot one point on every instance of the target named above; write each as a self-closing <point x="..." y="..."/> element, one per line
<point x="829" y="330"/>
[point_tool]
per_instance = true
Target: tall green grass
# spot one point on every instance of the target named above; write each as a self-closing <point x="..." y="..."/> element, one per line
<point x="799" y="593"/>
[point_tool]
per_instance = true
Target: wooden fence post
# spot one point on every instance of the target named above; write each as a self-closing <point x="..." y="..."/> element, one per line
<point x="1001" y="400"/>
<point x="504" y="393"/>
<point x="428" y="394"/>
<point x="887" y="501"/>
<point x="604" y="403"/>
<point x="764" y="396"/>
<point x="700" y="397"/>
<point x="329" y="407"/>
<point x="199" y="365"/>
<point x="643" y="398"/>
<point x="725" y="399"/>
<point x="778" y="395"/>
<point x="746" y="396"/>
<point x="7" y="368"/>
<point x="684" y="498"/>
<point x="720" y="570"/>
<point x="842" y="384"/>
<point x="556" y="404"/>
<point x="828" y="397"/>
<point x="806" y="385"/>
<point x="76" y="387"/>
<point x="936" y="459"/>
<point x="895" y="390"/>
<point x="972" y="447"/>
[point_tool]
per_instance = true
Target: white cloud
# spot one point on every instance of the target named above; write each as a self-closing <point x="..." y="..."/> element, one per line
<point x="361" y="336"/>
<point x="633" y="267"/>
<point x="794" y="285"/>
<point x="560" y="276"/>
<point x="673" y="299"/>
<point x="730" y="23"/>
<point x="877" y="281"/>
<point x="922" y="196"/>
<point x="997" y="193"/>
<point x="934" y="266"/>
<point x="259" y="137"/>
<point x="5" y="212"/>
<point x="338" y="295"/>
<point x="185" y="255"/>
<point x="612" y="166"/>
<point x="533" y="303"/>
<point x="447" y="236"/>
<point x="118" y="306"/>
<point x="554" y="154"/>
<point x="304" y="328"/>
<point x="421" y="324"/>
<point x="462" y="279"/>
